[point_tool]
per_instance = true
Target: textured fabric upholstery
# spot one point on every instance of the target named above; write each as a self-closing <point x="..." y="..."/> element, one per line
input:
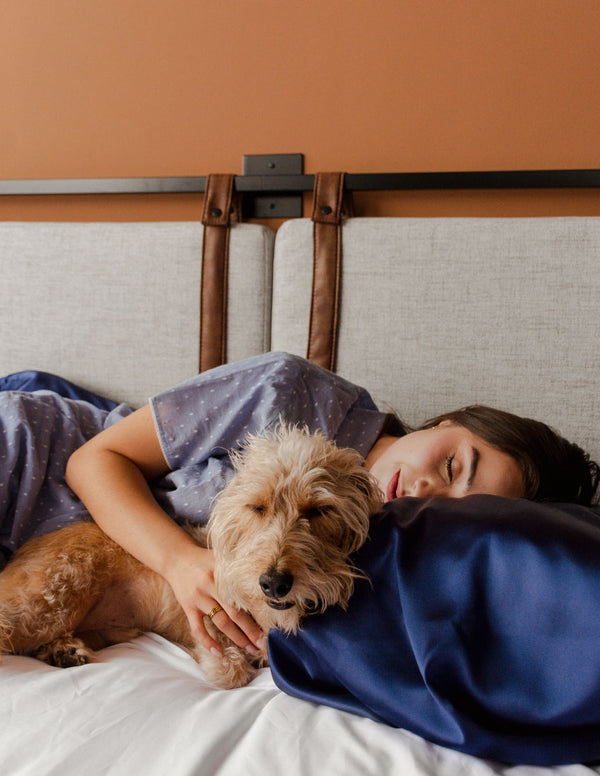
<point x="440" y="313"/>
<point x="115" y="306"/>
<point x="435" y="313"/>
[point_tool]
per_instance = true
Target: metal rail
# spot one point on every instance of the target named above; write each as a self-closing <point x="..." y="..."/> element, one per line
<point x="294" y="184"/>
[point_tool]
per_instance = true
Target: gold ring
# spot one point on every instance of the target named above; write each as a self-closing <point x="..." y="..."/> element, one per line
<point x="213" y="611"/>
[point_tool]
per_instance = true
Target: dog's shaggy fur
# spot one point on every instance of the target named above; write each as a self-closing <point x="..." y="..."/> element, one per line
<point x="282" y="532"/>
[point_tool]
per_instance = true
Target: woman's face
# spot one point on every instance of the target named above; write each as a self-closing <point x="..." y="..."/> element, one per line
<point x="448" y="460"/>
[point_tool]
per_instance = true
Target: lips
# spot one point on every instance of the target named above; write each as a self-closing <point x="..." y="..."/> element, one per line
<point x="280" y="604"/>
<point x="391" y="490"/>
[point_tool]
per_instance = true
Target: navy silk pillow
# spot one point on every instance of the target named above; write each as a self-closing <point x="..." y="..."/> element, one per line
<point x="479" y="630"/>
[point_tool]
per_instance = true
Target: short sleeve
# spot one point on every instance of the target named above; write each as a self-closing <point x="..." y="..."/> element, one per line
<point x="215" y="411"/>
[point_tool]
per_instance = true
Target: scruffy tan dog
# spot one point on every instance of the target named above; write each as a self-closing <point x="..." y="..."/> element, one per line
<point x="282" y="533"/>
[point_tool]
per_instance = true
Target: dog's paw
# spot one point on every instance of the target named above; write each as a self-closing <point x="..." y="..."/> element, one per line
<point x="66" y="652"/>
<point x="234" y="668"/>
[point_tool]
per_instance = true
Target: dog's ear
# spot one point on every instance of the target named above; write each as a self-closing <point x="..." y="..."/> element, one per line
<point x="364" y="500"/>
<point x="364" y="482"/>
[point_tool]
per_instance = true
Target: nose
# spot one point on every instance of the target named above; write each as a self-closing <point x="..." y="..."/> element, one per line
<point x="422" y="487"/>
<point x="276" y="584"/>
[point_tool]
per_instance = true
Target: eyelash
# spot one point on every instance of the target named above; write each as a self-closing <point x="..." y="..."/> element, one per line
<point x="449" y="467"/>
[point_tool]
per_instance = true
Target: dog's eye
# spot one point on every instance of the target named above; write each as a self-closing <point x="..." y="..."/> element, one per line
<point x="258" y="509"/>
<point x="313" y="512"/>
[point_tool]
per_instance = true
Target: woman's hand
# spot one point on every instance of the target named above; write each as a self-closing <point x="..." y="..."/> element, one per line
<point x="191" y="577"/>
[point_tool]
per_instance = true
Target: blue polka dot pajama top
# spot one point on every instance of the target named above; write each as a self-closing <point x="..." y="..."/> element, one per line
<point x="197" y="422"/>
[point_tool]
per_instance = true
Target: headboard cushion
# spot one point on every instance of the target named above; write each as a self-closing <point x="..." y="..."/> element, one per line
<point x="443" y="312"/>
<point x="114" y="307"/>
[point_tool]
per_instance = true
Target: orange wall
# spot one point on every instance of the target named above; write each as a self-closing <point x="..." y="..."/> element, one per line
<point x="110" y="88"/>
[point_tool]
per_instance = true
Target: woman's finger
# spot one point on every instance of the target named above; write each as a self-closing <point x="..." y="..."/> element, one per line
<point x="240" y="628"/>
<point x="247" y="625"/>
<point x="199" y="632"/>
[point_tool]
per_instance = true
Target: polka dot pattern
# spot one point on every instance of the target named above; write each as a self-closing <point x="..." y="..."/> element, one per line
<point x="197" y="422"/>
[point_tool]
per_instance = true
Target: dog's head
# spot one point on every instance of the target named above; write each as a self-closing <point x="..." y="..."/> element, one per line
<point x="284" y="527"/>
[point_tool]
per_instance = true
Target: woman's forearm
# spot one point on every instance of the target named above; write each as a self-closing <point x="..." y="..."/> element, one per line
<point x="110" y="474"/>
<point x="118" y="497"/>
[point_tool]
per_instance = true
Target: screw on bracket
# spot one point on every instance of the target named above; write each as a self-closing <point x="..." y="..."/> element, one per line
<point x="274" y="204"/>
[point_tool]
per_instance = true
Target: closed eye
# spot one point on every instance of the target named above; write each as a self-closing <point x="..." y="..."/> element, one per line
<point x="449" y="472"/>
<point x="258" y="509"/>
<point x="312" y="512"/>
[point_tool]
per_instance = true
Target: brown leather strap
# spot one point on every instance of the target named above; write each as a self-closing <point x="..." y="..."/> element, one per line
<point x="220" y="209"/>
<point x="330" y="205"/>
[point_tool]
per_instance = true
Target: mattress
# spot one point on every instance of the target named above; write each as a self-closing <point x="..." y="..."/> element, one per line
<point x="144" y="707"/>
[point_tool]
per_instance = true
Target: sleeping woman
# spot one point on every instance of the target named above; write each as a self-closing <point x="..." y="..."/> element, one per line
<point x="139" y="474"/>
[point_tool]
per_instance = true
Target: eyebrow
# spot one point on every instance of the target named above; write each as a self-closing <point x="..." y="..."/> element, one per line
<point x="473" y="469"/>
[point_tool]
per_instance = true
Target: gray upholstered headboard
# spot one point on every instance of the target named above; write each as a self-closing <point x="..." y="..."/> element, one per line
<point x="441" y="312"/>
<point x="115" y="307"/>
<point x="434" y="313"/>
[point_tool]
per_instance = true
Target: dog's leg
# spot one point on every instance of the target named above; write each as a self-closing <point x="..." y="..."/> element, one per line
<point x="79" y="648"/>
<point x="47" y="589"/>
<point x="36" y="612"/>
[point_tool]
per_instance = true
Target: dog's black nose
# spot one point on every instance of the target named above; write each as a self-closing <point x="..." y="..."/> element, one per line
<point x="276" y="584"/>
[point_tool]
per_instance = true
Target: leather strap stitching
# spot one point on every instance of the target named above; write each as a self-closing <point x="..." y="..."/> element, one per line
<point x="329" y="205"/>
<point x="219" y="211"/>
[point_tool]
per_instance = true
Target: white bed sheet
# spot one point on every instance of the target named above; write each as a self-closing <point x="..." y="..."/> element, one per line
<point x="146" y="709"/>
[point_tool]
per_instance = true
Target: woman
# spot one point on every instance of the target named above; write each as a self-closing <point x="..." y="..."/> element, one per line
<point x="169" y="459"/>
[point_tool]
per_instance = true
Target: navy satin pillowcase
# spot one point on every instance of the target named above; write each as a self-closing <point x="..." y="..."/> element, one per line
<point x="479" y="629"/>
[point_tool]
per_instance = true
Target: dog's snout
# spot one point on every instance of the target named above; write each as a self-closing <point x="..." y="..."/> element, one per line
<point x="276" y="584"/>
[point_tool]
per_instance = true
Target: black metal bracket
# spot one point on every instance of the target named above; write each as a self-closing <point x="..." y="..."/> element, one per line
<point x="271" y="204"/>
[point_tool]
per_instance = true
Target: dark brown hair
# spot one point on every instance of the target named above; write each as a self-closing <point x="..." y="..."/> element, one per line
<point x="553" y="468"/>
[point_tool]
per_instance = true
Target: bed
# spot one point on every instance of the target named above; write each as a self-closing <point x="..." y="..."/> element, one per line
<point x="428" y="314"/>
